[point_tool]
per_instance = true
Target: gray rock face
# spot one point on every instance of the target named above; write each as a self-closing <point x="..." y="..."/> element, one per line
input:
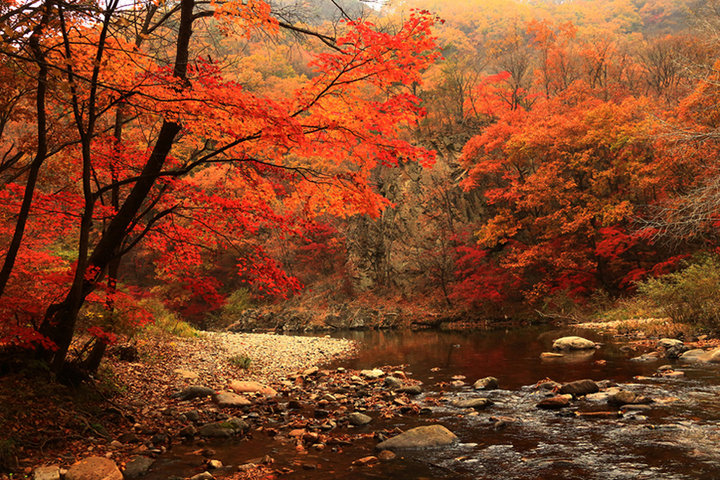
<point x="51" y="472"/>
<point x="224" y="429"/>
<point x="193" y="391"/>
<point x="476" y="403"/>
<point x="231" y="400"/>
<point x="579" y="387"/>
<point x="487" y="383"/>
<point x="358" y="419"/>
<point x="94" y="468"/>
<point x="573" y="343"/>
<point x="137" y="467"/>
<point x="420" y="437"/>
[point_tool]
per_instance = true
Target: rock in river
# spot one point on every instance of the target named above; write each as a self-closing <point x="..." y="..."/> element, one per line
<point x="94" y="468"/>
<point x="625" y="397"/>
<point x="554" y="403"/>
<point x="224" y="429"/>
<point x="579" y="388"/>
<point x="487" y="383"/>
<point x="476" y="403"/>
<point x="137" y="467"/>
<point x="420" y="437"/>
<point x="358" y="419"/>
<point x="573" y="343"/>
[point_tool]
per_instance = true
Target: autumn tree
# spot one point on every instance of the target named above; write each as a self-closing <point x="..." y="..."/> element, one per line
<point x="182" y="158"/>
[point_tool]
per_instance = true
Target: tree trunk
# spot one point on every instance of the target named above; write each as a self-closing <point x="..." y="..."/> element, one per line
<point x="61" y="318"/>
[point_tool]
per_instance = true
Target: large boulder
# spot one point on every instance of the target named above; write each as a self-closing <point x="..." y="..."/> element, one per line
<point x="94" y="468"/>
<point x="420" y="437"/>
<point x="573" y="343"/>
<point x="579" y="388"/>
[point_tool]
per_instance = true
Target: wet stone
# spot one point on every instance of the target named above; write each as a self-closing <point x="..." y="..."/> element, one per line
<point x="358" y="419"/>
<point x="193" y="391"/>
<point x="420" y="437"/>
<point x="579" y="387"/>
<point x="487" y="383"/>
<point x="554" y="403"/>
<point x="137" y="467"/>
<point x="476" y="403"/>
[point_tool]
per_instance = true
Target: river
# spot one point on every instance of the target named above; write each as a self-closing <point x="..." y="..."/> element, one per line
<point x="677" y="438"/>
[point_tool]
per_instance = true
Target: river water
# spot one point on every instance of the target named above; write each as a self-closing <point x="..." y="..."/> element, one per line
<point x="678" y="438"/>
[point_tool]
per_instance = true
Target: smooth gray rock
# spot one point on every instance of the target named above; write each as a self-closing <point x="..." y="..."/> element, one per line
<point x="420" y="437"/>
<point x="626" y="397"/>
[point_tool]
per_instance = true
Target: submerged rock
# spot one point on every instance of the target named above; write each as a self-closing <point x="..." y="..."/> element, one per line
<point x="573" y="343"/>
<point x="420" y="437"/>
<point x="579" y="388"/>
<point x="94" y="468"/>
<point x="487" y="383"/>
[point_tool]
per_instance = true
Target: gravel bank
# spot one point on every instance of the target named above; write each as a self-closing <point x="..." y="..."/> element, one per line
<point x="274" y="356"/>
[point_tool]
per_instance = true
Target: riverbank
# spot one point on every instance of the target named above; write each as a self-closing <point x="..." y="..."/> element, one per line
<point x="133" y="409"/>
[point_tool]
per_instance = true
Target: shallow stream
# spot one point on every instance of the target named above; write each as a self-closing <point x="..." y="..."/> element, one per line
<point x="678" y="438"/>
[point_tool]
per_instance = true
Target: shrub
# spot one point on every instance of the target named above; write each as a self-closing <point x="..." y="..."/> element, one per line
<point x="165" y="321"/>
<point x="235" y="304"/>
<point x="240" y="361"/>
<point x="691" y="295"/>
